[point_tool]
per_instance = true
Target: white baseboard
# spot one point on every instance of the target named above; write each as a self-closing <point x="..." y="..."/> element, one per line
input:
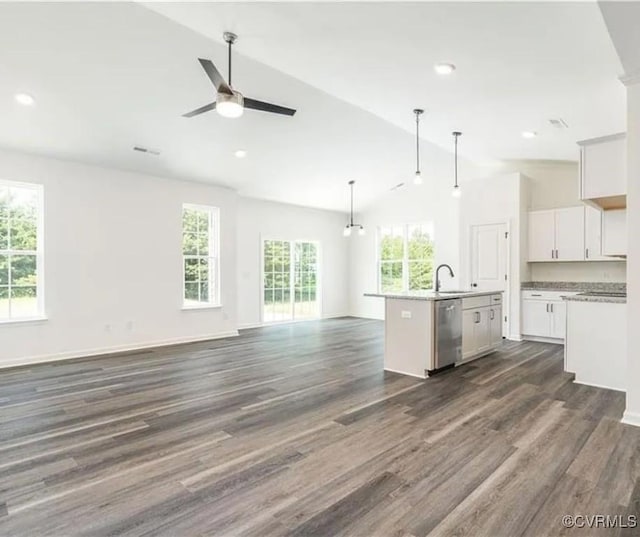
<point x="246" y="326"/>
<point x="514" y="337"/>
<point x="557" y="341"/>
<point x="41" y="359"/>
<point x="631" y="418"/>
<point x="594" y="385"/>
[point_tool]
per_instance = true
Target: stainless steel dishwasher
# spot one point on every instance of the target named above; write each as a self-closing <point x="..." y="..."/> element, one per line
<point x="448" y="324"/>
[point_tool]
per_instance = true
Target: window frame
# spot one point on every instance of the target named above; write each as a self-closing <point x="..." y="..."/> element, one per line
<point x="215" y="300"/>
<point x="38" y="253"/>
<point x="405" y="253"/>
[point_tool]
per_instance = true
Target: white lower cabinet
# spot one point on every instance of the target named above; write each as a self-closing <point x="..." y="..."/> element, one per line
<point x="481" y="325"/>
<point x="544" y="314"/>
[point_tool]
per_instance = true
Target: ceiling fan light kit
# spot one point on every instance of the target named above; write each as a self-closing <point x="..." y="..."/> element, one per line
<point x="229" y="102"/>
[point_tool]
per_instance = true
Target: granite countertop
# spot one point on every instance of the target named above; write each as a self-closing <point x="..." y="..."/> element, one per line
<point x="613" y="298"/>
<point x="432" y="295"/>
<point x="577" y="287"/>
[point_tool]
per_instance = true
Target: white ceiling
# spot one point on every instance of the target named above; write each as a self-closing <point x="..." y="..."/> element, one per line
<point x="623" y="22"/>
<point x="108" y="76"/>
<point x="519" y="64"/>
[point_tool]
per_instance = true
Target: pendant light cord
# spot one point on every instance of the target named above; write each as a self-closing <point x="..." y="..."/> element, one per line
<point x="456" y="159"/>
<point x="229" y="54"/>
<point x="351" y="219"/>
<point x="417" y="142"/>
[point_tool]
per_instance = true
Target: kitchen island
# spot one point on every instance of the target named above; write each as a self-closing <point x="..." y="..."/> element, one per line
<point x="426" y="332"/>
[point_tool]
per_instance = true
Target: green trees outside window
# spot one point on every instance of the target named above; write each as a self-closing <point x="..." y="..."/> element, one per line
<point x="406" y="255"/>
<point x="19" y="255"/>
<point x="199" y="252"/>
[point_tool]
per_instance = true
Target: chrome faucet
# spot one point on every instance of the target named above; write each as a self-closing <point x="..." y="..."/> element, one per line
<point x="438" y="275"/>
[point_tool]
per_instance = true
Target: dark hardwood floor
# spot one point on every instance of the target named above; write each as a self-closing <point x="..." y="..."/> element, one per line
<point x="296" y="430"/>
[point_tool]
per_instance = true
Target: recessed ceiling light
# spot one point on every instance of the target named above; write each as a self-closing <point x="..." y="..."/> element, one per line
<point x="240" y="153"/>
<point x="24" y="99"/>
<point x="529" y="134"/>
<point x="444" y="68"/>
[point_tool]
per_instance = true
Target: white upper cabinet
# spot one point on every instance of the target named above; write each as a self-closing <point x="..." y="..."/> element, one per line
<point x="570" y="234"/>
<point x="557" y="235"/>
<point x="542" y="229"/>
<point x="593" y="224"/>
<point x="614" y="233"/>
<point x="603" y="171"/>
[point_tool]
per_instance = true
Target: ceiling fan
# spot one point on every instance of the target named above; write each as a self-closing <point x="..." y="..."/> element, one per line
<point x="229" y="102"/>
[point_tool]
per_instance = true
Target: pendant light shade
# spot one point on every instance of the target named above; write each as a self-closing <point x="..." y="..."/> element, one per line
<point x="349" y="227"/>
<point x="417" y="178"/>
<point x="456" y="192"/>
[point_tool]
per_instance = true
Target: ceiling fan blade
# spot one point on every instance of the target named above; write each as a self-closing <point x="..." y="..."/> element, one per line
<point x="267" y="107"/>
<point x="201" y="110"/>
<point x="215" y="76"/>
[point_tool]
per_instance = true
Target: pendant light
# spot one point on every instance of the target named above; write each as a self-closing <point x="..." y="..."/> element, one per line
<point x="456" y="192"/>
<point x="349" y="227"/>
<point x="417" y="178"/>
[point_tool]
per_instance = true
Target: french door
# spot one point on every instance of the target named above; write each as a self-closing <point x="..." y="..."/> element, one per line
<point x="290" y="282"/>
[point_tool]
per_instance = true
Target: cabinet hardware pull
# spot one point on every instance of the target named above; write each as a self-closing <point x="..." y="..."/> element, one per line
<point x="534" y="294"/>
<point x="587" y="253"/>
<point x="556" y="254"/>
<point x="553" y="255"/>
<point x="551" y="308"/>
<point x="547" y="308"/>
<point x="493" y="315"/>
<point x="477" y="317"/>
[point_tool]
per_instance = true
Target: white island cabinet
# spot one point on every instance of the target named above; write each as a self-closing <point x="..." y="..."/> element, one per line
<point x="412" y="335"/>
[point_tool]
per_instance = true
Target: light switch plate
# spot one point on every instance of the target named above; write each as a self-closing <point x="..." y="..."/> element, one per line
<point x="405" y="314"/>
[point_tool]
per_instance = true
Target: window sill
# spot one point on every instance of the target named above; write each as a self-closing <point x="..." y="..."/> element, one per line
<point x="26" y="320"/>
<point x="202" y="307"/>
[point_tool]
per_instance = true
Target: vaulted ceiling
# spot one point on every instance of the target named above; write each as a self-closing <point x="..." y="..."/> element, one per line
<point x="110" y="76"/>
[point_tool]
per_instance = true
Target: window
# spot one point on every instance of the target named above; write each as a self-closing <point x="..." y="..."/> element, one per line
<point x="200" y="246"/>
<point x="290" y="280"/>
<point x="21" y="289"/>
<point x="405" y="258"/>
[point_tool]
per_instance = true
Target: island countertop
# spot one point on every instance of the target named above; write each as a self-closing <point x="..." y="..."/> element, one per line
<point x="432" y="295"/>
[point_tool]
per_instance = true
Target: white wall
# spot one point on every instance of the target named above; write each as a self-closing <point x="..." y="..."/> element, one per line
<point x="494" y="200"/>
<point x="113" y="267"/>
<point x="632" y="413"/>
<point x="430" y="202"/>
<point x="259" y="219"/>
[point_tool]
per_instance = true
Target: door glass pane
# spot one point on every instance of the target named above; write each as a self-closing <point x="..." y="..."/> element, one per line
<point x="276" y="281"/>
<point x="306" y="305"/>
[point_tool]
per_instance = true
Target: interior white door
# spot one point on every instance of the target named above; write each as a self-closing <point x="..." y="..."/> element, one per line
<point x="542" y="227"/>
<point x="489" y="261"/>
<point x="570" y="234"/>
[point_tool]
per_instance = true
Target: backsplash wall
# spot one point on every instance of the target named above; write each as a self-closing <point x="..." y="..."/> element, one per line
<point x="588" y="271"/>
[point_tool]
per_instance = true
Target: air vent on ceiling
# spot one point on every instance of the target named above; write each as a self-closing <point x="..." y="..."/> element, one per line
<point x="397" y="187"/>
<point x="559" y="123"/>
<point x="141" y="149"/>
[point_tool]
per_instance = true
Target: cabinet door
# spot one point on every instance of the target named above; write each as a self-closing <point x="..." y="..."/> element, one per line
<point x="614" y="232"/>
<point x="541" y="235"/>
<point x="570" y="234"/>
<point x="468" y="333"/>
<point x="535" y="318"/>
<point x="558" y="312"/>
<point x="495" y="320"/>
<point x="483" y="330"/>
<point x="603" y="167"/>
<point x="593" y="234"/>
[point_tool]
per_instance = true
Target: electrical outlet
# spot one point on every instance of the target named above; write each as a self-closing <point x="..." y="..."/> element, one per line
<point x="404" y="314"/>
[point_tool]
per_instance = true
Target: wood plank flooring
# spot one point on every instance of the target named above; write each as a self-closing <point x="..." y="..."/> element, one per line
<point x="296" y="430"/>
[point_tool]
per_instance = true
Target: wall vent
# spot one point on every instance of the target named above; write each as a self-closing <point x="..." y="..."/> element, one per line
<point x="397" y="187"/>
<point x="141" y="149"/>
<point x="559" y="123"/>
